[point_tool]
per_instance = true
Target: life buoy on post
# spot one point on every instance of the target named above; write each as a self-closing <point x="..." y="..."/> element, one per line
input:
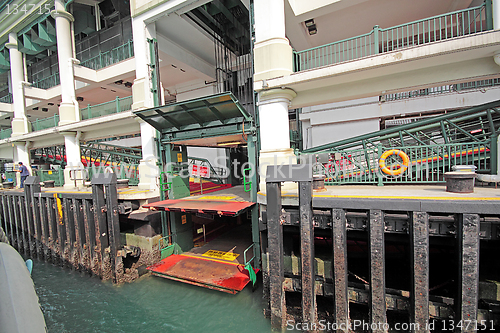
<point x="401" y="169"/>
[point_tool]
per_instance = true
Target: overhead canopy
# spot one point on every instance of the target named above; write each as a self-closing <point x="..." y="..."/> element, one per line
<point x="222" y="113"/>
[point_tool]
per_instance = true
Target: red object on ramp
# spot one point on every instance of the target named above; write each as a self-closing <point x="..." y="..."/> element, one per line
<point x="213" y="274"/>
<point x="220" y="207"/>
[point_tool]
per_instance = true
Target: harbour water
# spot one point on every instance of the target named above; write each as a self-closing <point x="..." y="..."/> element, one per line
<point x="73" y="302"/>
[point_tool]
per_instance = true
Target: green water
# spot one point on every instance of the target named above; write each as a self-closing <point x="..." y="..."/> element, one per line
<point x="72" y="302"/>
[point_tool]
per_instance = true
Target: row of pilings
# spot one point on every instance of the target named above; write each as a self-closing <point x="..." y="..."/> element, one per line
<point x="76" y="229"/>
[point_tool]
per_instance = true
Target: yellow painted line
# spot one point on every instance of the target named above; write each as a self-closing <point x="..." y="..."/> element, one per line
<point x="206" y="258"/>
<point x="392" y="197"/>
<point x="133" y="191"/>
<point x="403" y="197"/>
<point x="76" y="192"/>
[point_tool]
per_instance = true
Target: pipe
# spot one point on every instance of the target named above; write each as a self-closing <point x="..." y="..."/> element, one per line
<point x="67" y="3"/>
<point x="72" y="62"/>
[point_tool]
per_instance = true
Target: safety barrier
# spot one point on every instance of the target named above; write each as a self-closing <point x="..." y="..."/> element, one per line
<point x="432" y="29"/>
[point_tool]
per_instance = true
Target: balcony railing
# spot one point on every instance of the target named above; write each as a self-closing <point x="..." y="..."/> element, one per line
<point x="115" y="106"/>
<point x="111" y="57"/>
<point x="6" y="99"/>
<point x="443" y="89"/>
<point x="48" y="82"/>
<point x="41" y="124"/>
<point x="101" y="60"/>
<point x="432" y="29"/>
<point x="5" y="133"/>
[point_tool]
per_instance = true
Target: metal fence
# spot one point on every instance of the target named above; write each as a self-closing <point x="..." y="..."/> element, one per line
<point x="442" y="89"/>
<point x="52" y="175"/>
<point x="78" y="230"/>
<point x="5" y="133"/>
<point x="427" y="163"/>
<point x="115" y="106"/>
<point x="6" y="99"/>
<point x="48" y="82"/>
<point x="111" y="57"/>
<point x="41" y="124"/>
<point x="436" y="28"/>
<point x="122" y="171"/>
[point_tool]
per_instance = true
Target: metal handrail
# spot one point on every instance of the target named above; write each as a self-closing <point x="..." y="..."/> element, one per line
<point x="435" y="28"/>
<point x="41" y="124"/>
<point x="110" y="57"/>
<point x="115" y="106"/>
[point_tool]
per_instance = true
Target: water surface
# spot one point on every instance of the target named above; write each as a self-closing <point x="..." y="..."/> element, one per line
<point x="73" y="302"/>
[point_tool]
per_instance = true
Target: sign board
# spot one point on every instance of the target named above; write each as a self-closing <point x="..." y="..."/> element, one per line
<point x="200" y="171"/>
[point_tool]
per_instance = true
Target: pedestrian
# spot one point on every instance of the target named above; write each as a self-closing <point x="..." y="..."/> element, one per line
<point x="24" y="173"/>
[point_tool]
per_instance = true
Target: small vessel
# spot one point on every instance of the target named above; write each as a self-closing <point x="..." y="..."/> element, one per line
<point x="19" y="307"/>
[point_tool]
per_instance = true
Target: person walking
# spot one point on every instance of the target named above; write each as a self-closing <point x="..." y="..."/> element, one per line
<point x="24" y="173"/>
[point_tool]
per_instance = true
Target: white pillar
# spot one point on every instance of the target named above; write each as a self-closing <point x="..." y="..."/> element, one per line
<point x="20" y="123"/>
<point x="143" y="99"/>
<point x="68" y="109"/>
<point x="21" y="154"/>
<point x="272" y="51"/>
<point x="74" y="164"/>
<point x="496" y="14"/>
<point x="274" y="131"/>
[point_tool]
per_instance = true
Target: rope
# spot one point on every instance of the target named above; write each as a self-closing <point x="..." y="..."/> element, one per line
<point x="3" y="237"/>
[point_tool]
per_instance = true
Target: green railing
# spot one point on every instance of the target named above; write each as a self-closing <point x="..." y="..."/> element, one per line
<point x="48" y="82"/>
<point x="41" y="124"/>
<point x="11" y="176"/>
<point x="5" y="133"/>
<point x="6" y="99"/>
<point x="122" y="171"/>
<point x="428" y="163"/>
<point x="102" y="60"/>
<point x="115" y="106"/>
<point x="56" y="175"/>
<point x="442" y="89"/>
<point x="111" y="57"/>
<point x="432" y="29"/>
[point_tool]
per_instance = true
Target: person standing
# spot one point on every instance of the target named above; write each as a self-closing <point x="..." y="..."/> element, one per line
<point x="24" y="173"/>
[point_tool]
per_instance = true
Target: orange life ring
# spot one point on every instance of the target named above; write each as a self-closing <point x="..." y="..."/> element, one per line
<point x="400" y="153"/>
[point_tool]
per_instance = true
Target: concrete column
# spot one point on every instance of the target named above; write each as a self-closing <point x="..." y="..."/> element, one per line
<point x="143" y="99"/>
<point x="69" y="111"/>
<point x="274" y="131"/>
<point x="74" y="166"/>
<point x="20" y="123"/>
<point x="22" y="154"/>
<point x="272" y="53"/>
<point x="496" y="14"/>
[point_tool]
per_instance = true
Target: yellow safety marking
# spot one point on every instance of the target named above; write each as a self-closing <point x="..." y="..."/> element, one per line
<point x="403" y="197"/>
<point x="215" y="197"/>
<point x="179" y="157"/>
<point x="56" y="191"/>
<point x="50" y="172"/>
<point x="390" y="197"/>
<point x="221" y="255"/>
<point x="132" y="191"/>
<point x="207" y="258"/>
<point x="59" y="209"/>
<point x="184" y="219"/>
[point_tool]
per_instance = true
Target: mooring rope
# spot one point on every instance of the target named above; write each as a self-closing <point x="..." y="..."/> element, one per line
<point x="3" y="236"/>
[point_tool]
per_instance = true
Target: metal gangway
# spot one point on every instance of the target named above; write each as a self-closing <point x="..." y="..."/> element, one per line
<point x="417" y="152"/>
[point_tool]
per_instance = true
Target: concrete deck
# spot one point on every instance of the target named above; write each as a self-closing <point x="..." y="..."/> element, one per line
<point x="484" y="200"/>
